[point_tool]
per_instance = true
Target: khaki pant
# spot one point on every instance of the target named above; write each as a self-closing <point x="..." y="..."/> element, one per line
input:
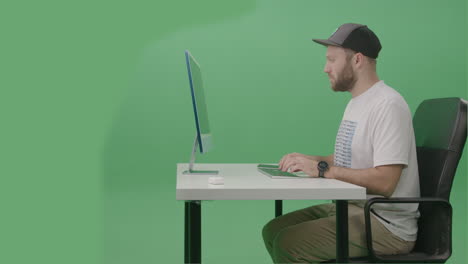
<point x="309" y="235"/>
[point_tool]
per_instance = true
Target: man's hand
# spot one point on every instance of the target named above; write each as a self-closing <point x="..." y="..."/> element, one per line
<point x="291" y="156"/>
<point x="299" y="162"/>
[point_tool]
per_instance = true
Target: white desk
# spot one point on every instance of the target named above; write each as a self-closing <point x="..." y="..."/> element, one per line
<point x="244" y="182"/>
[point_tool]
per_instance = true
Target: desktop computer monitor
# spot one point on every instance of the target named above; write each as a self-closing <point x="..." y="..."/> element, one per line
<point x="203" y="138"/>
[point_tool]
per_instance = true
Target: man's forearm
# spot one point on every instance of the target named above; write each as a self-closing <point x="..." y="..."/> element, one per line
<point x="379" y="180"/>
<point x="329" y="159"/>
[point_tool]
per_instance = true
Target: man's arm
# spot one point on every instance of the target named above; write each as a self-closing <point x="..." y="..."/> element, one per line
<point x="286" y="158"/>
<point x="329" y="159"/>
<point x="381" y="180"/>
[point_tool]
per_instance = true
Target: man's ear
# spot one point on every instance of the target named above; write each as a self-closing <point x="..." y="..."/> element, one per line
<point x="358" y="59"/>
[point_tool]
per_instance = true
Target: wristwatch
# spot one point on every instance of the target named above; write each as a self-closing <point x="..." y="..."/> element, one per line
<point x="322" y="167"/>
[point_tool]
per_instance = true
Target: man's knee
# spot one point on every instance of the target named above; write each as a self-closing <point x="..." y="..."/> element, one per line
<point x="289" y="246"/>
<point x="286" y="248"/>
<point x="268" y="231"/>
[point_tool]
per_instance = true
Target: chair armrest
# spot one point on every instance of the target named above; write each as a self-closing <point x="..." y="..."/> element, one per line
<point x="427" y="200"/>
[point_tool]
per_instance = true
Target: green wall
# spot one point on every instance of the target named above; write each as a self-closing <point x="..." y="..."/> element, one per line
<point x="96" y="113"/>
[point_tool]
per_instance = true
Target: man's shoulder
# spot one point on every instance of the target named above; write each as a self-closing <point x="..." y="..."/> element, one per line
<point x="385" y="92"/>
<point x="386" y="96"/>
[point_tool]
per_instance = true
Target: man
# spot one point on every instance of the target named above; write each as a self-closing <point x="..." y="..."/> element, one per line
<point x="375" y="148"/>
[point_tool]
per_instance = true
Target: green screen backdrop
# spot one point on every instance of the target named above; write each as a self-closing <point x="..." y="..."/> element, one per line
<point x="96" y="112"/>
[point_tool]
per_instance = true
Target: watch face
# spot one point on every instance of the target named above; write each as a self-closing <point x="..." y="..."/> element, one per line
<point x="323" y="165"/>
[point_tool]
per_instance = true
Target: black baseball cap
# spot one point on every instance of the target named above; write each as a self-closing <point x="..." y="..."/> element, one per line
<point x="356" y="37"/>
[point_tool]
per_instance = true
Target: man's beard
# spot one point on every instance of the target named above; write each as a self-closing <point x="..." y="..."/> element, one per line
<point x="346" y="80"/>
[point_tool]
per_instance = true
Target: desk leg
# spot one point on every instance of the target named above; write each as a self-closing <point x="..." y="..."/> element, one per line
<point x="192" y="241"/>
<point x="342" y="253"/>
<point x="278" y="208"/>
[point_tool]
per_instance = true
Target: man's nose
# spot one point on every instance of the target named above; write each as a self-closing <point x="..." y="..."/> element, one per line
<point x="326" y="69"/>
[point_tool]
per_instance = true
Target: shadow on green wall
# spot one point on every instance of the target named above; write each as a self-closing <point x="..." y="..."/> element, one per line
<point x="143" y="142"/>
<point x="139" y="134"/>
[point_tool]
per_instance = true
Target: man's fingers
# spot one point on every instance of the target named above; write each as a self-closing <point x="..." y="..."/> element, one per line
<point x="296" y="167"/>
<point x="293" y="168"/>
<point x="289" y="163"/>
<point x="280" y="164"/>
<point x="286" y="165"/>
<point x="283" y="161"/>
<point x="286" y="159"/>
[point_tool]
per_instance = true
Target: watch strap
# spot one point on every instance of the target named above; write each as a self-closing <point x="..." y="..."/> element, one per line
<point x="321" y="174"/>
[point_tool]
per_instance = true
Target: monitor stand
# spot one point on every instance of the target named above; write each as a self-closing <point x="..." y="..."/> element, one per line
<point x="191" y="171"/>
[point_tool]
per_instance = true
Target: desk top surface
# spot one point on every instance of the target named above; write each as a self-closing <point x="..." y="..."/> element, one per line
<point x="245" y="182"/>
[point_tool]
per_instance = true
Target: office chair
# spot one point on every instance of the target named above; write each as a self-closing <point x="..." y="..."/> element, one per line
<point x="440" y="127"/>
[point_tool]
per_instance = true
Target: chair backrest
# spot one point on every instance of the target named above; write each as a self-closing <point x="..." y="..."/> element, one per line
<point x="440" y="127"/>
<point x="440" y="131"/>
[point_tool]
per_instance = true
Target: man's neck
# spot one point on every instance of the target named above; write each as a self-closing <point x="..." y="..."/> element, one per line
<point x="363" y="84"/>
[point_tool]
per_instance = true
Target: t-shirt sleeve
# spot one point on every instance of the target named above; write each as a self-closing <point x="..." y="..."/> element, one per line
<point x="392" y="131"/>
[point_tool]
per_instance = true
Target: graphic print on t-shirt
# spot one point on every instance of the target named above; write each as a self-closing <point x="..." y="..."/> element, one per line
<point x="344" y="140"/>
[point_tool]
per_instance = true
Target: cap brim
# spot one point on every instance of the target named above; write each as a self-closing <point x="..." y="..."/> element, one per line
<point x="326" y="42"/>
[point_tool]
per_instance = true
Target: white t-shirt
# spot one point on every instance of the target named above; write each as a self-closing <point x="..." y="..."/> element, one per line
<point x="377" y="130"/>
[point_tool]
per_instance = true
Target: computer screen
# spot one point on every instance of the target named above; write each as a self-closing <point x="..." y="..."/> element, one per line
<point x="203" y="133"/>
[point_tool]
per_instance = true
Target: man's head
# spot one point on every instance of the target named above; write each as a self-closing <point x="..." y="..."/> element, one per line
<point x="344" y="67"/>
<point x="351" y="54"/>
